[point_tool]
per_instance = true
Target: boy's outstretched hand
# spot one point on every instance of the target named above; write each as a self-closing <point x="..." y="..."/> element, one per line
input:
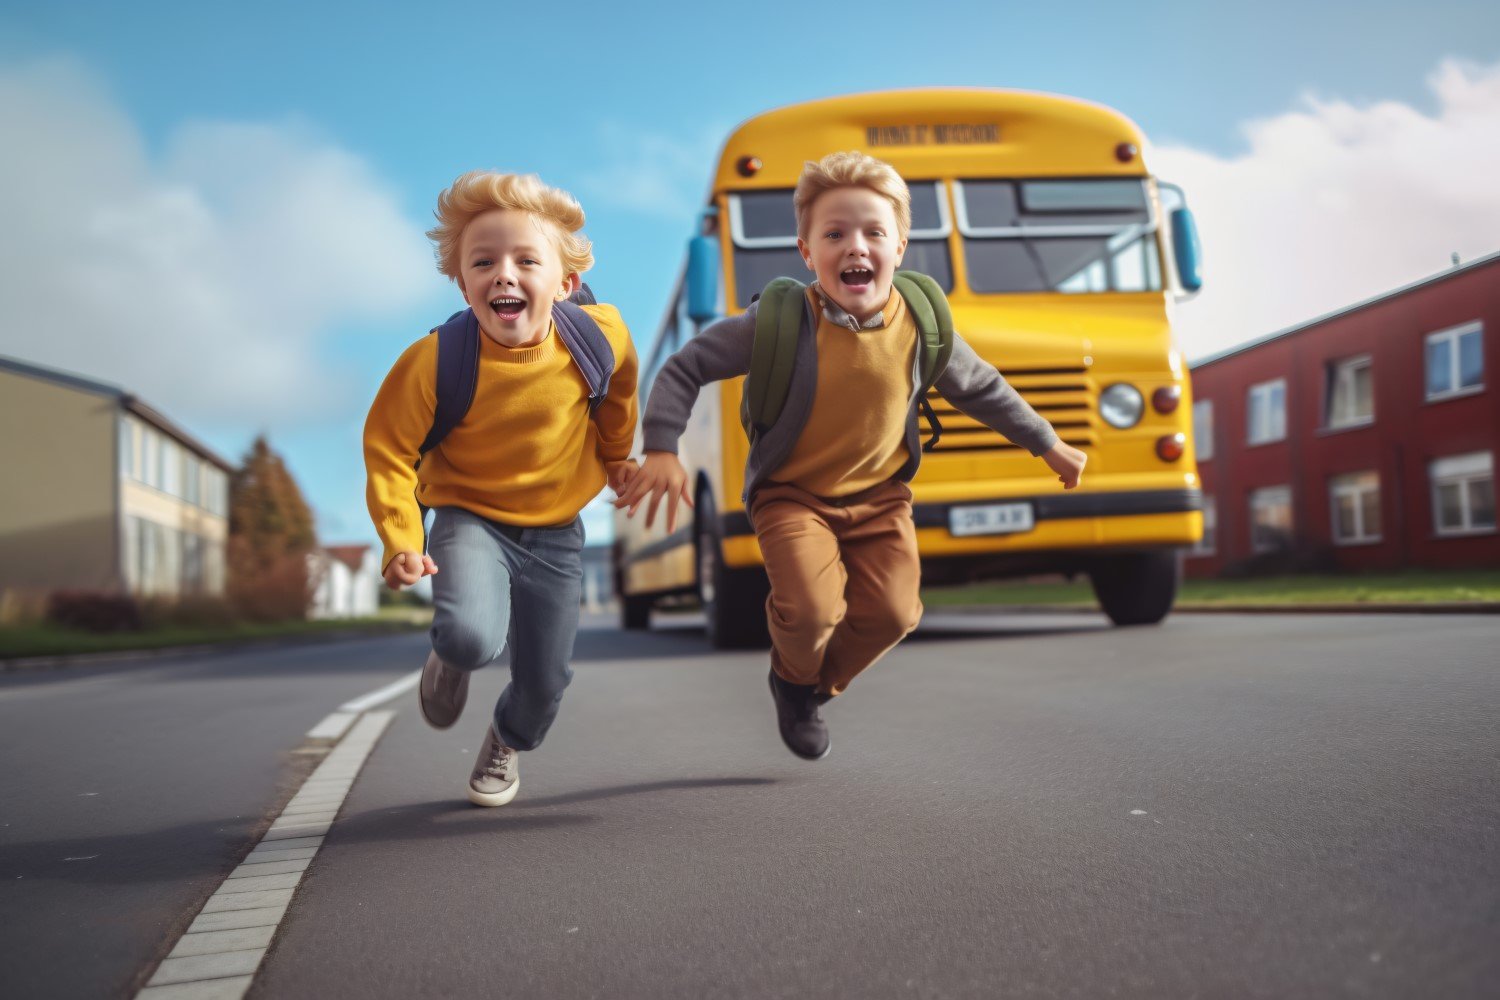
<point x="620" y="474"/>
<point x="1067" y="462"/>
<point x="660" y="474"/>
<point x="406" y="568"/>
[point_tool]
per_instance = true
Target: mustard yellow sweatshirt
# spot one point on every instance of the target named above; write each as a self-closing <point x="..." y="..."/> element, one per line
<point x="527" y="453"/>
<point x="855" y="436"/>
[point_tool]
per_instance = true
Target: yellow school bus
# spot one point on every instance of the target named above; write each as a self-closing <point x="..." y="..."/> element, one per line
<point x="1061" y="255"/>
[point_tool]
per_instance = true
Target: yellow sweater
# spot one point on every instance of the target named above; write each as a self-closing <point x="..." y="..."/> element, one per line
<point x="856" y="433"/>
<point x="527" y="453"/>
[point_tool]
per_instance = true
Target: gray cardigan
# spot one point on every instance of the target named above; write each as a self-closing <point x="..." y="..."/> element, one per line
<point x="722" y="351"/>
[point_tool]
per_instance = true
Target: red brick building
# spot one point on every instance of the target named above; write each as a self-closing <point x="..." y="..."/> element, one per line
<point x="1362" y="440"/>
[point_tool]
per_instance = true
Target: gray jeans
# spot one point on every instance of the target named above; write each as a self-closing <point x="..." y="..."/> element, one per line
<point x="497" y="582"/>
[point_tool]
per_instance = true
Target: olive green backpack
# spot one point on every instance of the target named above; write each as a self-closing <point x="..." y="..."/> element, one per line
<point x="779" y="323"/>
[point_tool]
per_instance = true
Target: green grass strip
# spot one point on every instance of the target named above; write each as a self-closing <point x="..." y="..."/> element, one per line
<point x="50" y="640"/>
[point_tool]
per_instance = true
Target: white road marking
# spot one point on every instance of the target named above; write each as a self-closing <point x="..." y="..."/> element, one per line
<point x="383" y="695"/>
<point x="333" y="726"/>
<point x="224" y="946"/>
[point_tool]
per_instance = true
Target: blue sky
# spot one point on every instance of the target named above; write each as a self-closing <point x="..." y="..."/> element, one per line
<point x="293" y="152"/>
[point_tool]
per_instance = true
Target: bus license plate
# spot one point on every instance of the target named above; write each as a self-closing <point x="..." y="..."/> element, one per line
<point x="991" y="519"/>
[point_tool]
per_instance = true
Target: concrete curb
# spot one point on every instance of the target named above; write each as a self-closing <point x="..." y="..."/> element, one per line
<point x="222" y="949"/>
<point x="104" y="658"/>
<point x="1435" y="608"/>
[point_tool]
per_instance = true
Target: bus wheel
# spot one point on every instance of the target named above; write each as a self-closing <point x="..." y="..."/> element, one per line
<point x="1137" y="589"/>
<point x="734" y="600"/>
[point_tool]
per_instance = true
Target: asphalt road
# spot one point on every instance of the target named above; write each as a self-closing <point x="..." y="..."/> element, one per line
<point x="129" y="791"/>
<point x="1299" y="806"/>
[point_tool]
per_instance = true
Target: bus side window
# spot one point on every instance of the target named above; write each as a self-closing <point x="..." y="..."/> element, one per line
<point x="668" y="337"/>
<point x="686" y="328"/>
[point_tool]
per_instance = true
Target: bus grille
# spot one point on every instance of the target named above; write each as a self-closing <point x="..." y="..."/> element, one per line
<point x="1064" y="396"/>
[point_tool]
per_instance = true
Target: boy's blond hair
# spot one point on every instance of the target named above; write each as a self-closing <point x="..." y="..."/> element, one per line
<point x="851" y="169"/>
<point x="479" y="191"/>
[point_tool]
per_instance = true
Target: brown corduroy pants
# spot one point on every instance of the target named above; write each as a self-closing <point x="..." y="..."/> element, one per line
<point x="844" y="579"/>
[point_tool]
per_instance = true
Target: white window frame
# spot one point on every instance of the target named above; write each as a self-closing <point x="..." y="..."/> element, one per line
<point x="192" y="478"/>
<point x="1343" y="371"/>
<point x="1460" y="471"/>
<point x="1275" y="429"/>
<point x="1203" y="414"/>
<point x="1262" y="498"/>
<point x="151" y="443"/>
<point x="171" y="467"/>
<point x="1354" y="485"/>
<point x="137" y="450"/>
<point x="218" y="492"/>
<point x="1209" y="544"/>
<point x="1453" y="335"/>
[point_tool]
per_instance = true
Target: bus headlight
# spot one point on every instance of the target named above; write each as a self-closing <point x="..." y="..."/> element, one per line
<point x="1121" y="405"/>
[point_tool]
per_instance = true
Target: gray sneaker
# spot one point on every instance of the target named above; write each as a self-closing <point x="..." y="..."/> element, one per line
<point x="496" y="774"/>
<point x="442" y="692"/>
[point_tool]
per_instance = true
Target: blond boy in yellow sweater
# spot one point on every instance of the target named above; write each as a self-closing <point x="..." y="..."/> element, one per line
<point x="507" y="483"/>
<point x="825" y="485"/>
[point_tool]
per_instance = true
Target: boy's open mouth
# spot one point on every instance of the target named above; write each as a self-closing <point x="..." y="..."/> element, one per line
<point x="508" y="307"/>
<point x="857" y="276"/>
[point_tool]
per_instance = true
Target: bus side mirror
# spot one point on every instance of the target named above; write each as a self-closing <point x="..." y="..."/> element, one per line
<point x="1187" y="250"/>
<point x="703" y="278"/>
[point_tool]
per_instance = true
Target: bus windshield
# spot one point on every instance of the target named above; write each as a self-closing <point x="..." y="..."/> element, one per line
<point x="1068" y="235"/>
<point x="763" y="227"/>
<point x="1055" y="235"/>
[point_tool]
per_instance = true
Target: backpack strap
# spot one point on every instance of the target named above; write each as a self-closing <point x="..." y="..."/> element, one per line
<point x="777" y="326"/>
<point x="588" y="346"/>
<point x="457" y="374"/>
<point x="458" y="361"/>
<point x="929" y="307"/>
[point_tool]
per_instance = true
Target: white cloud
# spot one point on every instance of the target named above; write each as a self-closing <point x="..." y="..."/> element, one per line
<point x="209" y="276"/>
<point x="1333" y="203"/>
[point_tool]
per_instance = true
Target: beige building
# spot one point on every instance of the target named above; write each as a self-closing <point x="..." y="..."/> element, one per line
<point x="101" y="492"/>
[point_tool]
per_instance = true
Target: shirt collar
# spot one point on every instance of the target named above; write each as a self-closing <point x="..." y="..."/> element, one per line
<point x="835" y="314"/>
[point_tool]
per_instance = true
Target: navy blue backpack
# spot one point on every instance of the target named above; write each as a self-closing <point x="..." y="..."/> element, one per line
<point x="458" y="360"/>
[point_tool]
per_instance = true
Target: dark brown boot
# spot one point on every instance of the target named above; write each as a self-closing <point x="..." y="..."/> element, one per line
<point x="797" y="716"/>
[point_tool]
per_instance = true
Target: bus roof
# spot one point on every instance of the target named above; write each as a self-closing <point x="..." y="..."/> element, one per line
<point x="935" y="133"/>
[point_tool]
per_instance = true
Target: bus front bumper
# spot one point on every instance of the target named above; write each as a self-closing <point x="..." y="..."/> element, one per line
<point x="1060" y="523"/>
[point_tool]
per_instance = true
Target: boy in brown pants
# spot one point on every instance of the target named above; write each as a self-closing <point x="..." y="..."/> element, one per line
<point x="825" y="485"/>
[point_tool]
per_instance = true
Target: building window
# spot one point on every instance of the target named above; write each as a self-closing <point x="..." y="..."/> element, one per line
<point x="1356" y="508"/>
<point x="1455" y="361"/>
<point x="171" y="468"/>
<point x="192" y="478"/>
<point x="1267" y="412"/>
<point x="1208" y="544"/>
<point x="192" y="563"/>
<point x="213" y="567"/>
<point x="216" y="490"/>
<point x="1463" y="494"/>
<point x="1203" y="429"/>
<point x="150" y="457"/>
<point x="1351" y="393"/>
<point x="130" y="557"/>
<point x="1271" y="519"/>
